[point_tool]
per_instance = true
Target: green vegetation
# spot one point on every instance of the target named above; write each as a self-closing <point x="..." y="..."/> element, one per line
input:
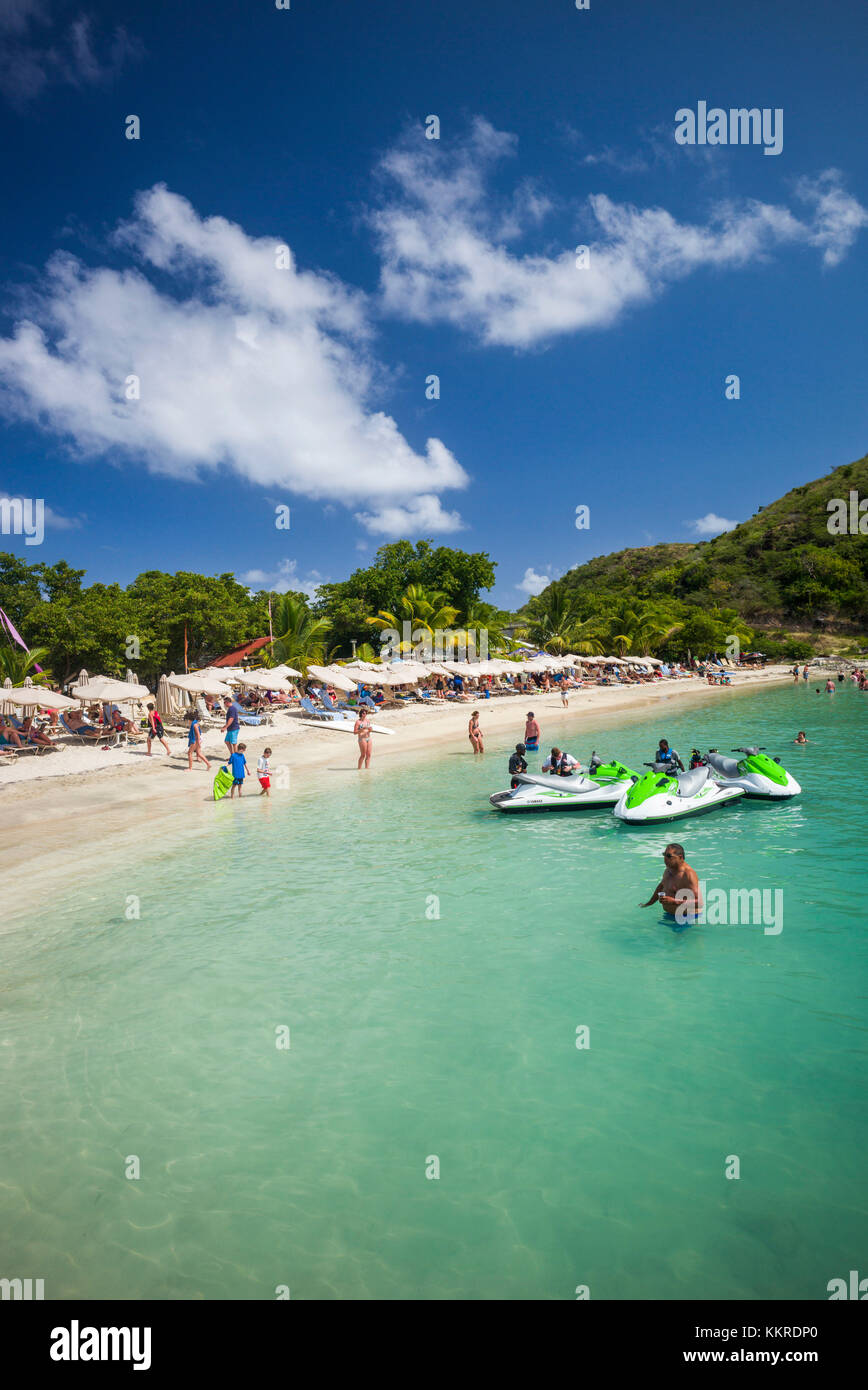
<point x="77" y="626"/>
<point x="779" y="580"/>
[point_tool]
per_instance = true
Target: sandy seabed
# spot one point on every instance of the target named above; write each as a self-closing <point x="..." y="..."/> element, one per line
<point x="66" y="810"/>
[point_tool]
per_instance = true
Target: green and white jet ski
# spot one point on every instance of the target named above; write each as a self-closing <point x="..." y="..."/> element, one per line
<point x="661" y="796"/>
<point x="757" y="774"/>
<point x="602" y="785"/>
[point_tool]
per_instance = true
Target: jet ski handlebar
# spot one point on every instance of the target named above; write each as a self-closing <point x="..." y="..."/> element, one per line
<point x="754" y="749"/>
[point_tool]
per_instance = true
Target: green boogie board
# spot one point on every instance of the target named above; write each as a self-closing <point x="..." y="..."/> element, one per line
<point x="222" y="783"/>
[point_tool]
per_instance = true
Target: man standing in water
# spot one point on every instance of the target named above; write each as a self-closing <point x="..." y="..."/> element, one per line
<point x="531" y="733"/>
<point x="678" y="888"/>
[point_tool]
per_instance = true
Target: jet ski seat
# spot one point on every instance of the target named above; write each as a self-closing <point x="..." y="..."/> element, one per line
<point x="690" y="782"/>
<point x="727" y="766"/>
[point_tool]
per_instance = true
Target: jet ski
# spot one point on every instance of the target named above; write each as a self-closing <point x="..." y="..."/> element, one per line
<point x="659" y="795"/>
<point x="601" y="785"/>
<point x="759" y="775"/>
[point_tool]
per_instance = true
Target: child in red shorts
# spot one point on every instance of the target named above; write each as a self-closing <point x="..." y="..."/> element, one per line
<point x="262" y="772"/>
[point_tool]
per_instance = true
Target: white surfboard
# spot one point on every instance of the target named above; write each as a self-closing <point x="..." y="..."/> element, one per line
<point x="344" y="724"/>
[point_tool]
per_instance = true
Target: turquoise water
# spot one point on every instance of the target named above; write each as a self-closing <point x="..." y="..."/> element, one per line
<point x="414" y="1035"/>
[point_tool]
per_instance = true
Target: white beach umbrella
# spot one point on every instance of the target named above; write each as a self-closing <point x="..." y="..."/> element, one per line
<point x="29" y="697"/>
<point x="264" y="680"/>
<point x="83" y="677"/>
<point x="339" y="679"/>
<point x="408" y="672"/>
<point x="282" y="670"/>
<point x="228" y="674"/>
<point x="107" y="689"/>
<point x="198" y="684"/>
<point x="35" y="695"/>
<point x="375" y="676"/>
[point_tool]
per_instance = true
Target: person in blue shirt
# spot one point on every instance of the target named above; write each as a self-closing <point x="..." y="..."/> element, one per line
<point x="665" y="754"/>
<point x="238" y="768"/>
<point x="231" y="727"/>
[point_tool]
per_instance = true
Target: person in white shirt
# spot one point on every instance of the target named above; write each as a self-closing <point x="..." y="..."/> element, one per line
<point x="263" y="773"/>
<point x="560" y="764"/>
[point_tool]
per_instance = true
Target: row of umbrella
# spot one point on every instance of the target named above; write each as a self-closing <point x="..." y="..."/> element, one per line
<point x="219" y="681"/>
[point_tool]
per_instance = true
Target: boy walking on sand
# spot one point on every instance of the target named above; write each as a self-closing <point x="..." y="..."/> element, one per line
<point x="263" y="773"/>
<point x="238" y="767"/>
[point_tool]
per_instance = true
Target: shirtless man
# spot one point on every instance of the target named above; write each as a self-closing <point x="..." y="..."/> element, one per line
<point x="678" y="888"/>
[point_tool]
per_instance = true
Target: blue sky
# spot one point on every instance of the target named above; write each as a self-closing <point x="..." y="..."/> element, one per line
<point x="302" y="382"/>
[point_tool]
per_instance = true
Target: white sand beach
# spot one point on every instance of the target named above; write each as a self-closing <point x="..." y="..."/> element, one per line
<point x="53" y="805"/>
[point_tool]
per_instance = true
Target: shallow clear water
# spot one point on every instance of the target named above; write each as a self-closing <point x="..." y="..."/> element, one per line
<point x="414" y="1035"/>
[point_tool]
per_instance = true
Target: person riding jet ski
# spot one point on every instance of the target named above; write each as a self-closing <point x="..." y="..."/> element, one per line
<point x="668" y="755"/>
<point x="560" y="764"/>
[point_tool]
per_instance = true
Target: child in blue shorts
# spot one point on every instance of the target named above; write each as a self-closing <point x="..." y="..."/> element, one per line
<point x="238" y="768"/>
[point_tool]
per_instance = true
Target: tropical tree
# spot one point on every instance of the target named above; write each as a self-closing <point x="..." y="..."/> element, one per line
<point x="302" y="635"/>
<point x="588" y="638"/>
<point x="424" y="610"/>
<point x="552" y="620"/>
<point x="16" y="664"/>
<point x="641" y="630"/>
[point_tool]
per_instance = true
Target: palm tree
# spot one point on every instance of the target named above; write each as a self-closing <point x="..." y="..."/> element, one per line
<point x="16" y="664"/>
<point x="551" y="619"/>
<point x="302" y="635"/>
<point x="640" y="630"/>
<point x="424" y="609"/>
<point x="588" y="638"/>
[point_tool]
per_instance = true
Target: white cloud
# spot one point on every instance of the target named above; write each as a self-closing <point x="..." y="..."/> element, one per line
<point x="263" y="372"/>
<point x="36" y="53"/>
<point x="711" y="525"/>
<point x="423" y="516"/>
<point x="283" y="579"/>
<point x="444" y="255"/>
<point x="534" y="583"/>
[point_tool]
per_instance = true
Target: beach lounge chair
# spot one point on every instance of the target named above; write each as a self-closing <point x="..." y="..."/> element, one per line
<point x="11" y="748"/>
<point x="326" y="700"/>
<point x="110" y="736"/>
<point x="312" y="712"/>
<point x="25" y="747"/>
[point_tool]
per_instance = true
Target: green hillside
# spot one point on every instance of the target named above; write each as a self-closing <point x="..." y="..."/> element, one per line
<point x="781" y="572"/>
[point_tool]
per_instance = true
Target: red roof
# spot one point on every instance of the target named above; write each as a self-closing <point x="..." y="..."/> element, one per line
<point x="240" y="654"/>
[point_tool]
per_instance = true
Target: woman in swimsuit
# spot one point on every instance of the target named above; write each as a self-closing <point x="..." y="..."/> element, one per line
<point x="474" y="733"/>
<point x="194" y="742"/>
<point x="362" y="729"/>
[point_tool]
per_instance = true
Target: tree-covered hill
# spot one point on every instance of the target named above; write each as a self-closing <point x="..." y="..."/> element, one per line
<point x="781" y="570"/>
